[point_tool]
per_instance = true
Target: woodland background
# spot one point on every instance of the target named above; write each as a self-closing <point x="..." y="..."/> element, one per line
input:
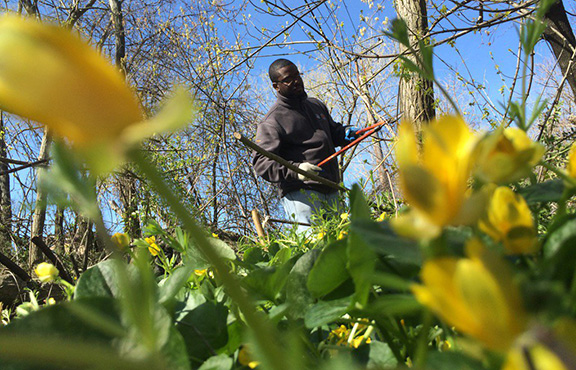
<point x="221" y="50"/>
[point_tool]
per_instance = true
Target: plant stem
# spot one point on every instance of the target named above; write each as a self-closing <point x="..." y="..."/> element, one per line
<point x="264" y="333"/>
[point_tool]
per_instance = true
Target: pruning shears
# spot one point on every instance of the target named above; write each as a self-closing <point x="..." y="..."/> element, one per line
<point x="364" y="133"/>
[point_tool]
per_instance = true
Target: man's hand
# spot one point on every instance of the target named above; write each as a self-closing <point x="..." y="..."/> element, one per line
<point x="308" y="167"/>
<point x="351" y="133"/>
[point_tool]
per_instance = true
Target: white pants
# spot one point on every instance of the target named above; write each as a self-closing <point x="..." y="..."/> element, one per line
<point x="301" y="204"/>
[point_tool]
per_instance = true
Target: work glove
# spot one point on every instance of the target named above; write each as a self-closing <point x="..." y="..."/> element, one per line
<point x="351" y="133"/>
<point x="308" y="167"/>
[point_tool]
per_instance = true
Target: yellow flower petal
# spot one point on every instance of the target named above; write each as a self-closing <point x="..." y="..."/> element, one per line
<point x="571" y="167"/>
<point x="121" y="241"/>
<point x="46" y="272"/>
<point x="475" y="294"/>
<point x="51" y="75"/>
<point x="435" y="183"/>
<point x="506" y="155"/>
<point x="509" y="220"/>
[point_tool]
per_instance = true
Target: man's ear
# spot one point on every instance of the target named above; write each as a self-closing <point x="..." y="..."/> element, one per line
<point x="275" y="86"/>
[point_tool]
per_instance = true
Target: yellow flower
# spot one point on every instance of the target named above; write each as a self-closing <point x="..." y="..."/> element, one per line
<point x="46" y="272"/>
<point x="344" y="216"/>
<point x="542" y="348"/>
<point x="476" y="295"/>
<point x="50" y="301"/>
<point x="320" y="235"/>
<point x="537" y="357"/>
<point x="50" y="75"/>
<point x="200" y="272"/>
<point x="153" y="248"/>
<point x="506" y="155"/>
<point x="382" y="217"/>
<point x="356" y="342"/>
<point x="342" y="234"/>
<point x="245" y="358"/>
<point x="509" y="220"/>
<point x="214" y="235"/>
<point x="434" y="182"/>
<point x="571" y="167"/>
<point x="121" y="241"/>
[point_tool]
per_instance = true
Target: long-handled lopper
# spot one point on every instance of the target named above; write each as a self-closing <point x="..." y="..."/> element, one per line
<point x="364" y="133"/>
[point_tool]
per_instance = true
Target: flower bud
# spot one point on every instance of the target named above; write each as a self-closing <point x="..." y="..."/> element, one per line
<point x="46" y="272"/>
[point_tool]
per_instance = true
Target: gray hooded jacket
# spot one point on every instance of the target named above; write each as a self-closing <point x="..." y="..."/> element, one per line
<point x="298" y="130"/>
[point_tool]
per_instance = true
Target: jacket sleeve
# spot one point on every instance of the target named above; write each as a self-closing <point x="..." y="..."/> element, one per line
<point x="268" y="138"/>
<point x="337" y="131"/>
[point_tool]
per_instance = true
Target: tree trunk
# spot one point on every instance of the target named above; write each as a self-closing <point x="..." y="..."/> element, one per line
<point x="559" y="35"/>
<point x="82" y="241"/>
<point x="416" y="94"/>
<point x="59" y="229"/>
<point x="126" y="180"/>
<point x="5" y="199"/>
<point x="34" y="254"/>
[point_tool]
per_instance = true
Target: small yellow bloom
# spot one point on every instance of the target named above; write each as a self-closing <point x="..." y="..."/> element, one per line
<point x="46" y="272"/>
<point x="344" y="216"/>
<point x="121" y="241"/>
<point x="52" y="76"/>
<point x="433" y="181"/>
<point x="571" y="167"/>
<point x="200" y="272"/>
<point x="245" y="358"/>
<point x="214" y="235"/>
<point x="342" y="234"/>
<point x="445" y="346"/>
<point x="356" y="342"/>
<point x="153" y="248"/>
<point x="506" y="155"/>
<point x="382" y="217"/>
<point x="320" y="235"/>
<point x="51" y="301"/>
<point x="509" y="220"/>
<point x="475" y="294"/>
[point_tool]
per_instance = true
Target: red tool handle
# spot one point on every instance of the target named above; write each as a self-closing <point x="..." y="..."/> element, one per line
<point x="367" y="132"/>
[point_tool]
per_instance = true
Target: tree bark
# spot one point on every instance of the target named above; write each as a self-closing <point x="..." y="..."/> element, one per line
<point x="416" y="94"/>
<point x="39" y="217"/>
<point x="126" y="181"/>
<point x="559" y="35"/>
<point x="5" y="199"/>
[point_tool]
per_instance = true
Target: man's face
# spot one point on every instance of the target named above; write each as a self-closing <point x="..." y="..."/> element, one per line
<point x="289" y="82"/>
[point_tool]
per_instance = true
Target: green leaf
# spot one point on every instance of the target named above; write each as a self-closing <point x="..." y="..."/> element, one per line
<point x="223" y="249"/>
<point x="62" y="319"/>
<point x="548" y="191"/>
<point x="361" y="257"/>
<point x="254" y="255"/>
<point x="282" y="256"/>
<point x="329" y="271"/>
<point x="298" y="297"/>
<point x="325" y="312"/>
<point x="380" y="237"/>
<point x="393" y="305"/>
<point x="269" y="281"/>
<point x="169" y="287"/>
<point x="381" y="356"/>
<point x="174" y="351"/>
<point x="204" y="330"/>
<point x="219" y="362"/>
<point x="399" y="32"/>
<point x="100" y="280"/>
<point x="559" y="252"/>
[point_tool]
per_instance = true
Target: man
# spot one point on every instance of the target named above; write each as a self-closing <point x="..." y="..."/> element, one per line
<point x="300" y="130"/>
